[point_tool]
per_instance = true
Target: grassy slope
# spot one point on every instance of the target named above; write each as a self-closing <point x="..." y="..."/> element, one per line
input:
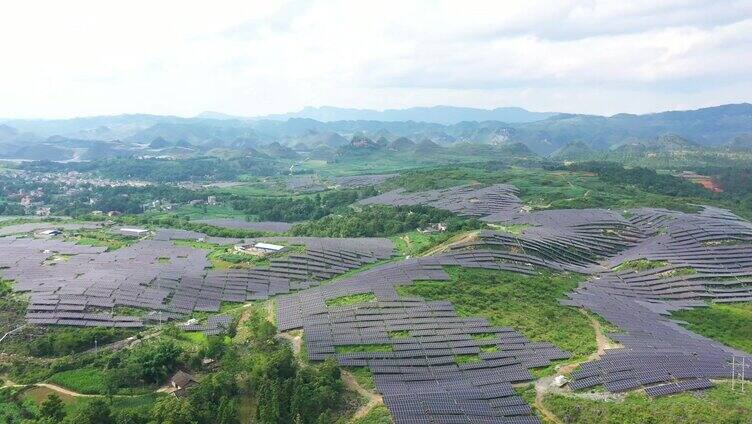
<point x="82" y="380"/>
<point x="718" y="405"/>
<point x="730" y="324"/>
<point x="526" y="303"/>
<point x="377" y="415"/>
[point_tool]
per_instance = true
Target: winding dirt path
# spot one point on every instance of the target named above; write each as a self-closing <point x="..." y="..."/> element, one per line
<point x="545" y="385"/>
<point x="541" y="388"/>
<point x="295" y="338"/>
<point x="61" y="390"/>
<point x="454" y="241"/>
<point x="374" y="399"/>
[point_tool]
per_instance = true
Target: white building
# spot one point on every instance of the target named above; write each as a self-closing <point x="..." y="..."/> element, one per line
<point x="134" y="232"/>
<point x="259" y="249"/>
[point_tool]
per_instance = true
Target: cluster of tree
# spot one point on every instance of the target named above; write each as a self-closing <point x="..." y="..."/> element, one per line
<point x="67" y="341"/>
<point x="734" y="180"/>
<point x="285" y="390"/>
<point x="264" y="370"/>
<point x="290" y="209"/>
<point x="164" y="170"/>
<point x="382" y="221"/>
<point x="151" y="363"/>
<point x="10" y="208"/>
<point x="125" y="199"/>
<point x="174" y="221"/>
<point x="644" y="178"/>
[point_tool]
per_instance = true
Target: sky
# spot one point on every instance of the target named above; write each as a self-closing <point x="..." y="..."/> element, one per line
<point x="80" y="58"/>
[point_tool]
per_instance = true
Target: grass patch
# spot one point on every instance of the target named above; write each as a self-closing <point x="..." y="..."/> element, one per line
<point x="489" y="349"/>
<point x="516" y="229"/>
<point x="484" y="336"/>
<point x="640" y="265"/>
<point x="351" y="299"/>
<point x="717" y="405"/>
<point x="101" y="238"/>
<point x="679" y="272"/>
<point x="399" y="334"/>
<point x="730" y="323"/>
<point x="225" y="257"/>
<point x="414" y="243"/>
<point x="364" y="377"/>
<point x="378" y="415"/>
<point x="529" y="304"/>
<point x="466" y="358"/>
<point x="195" y="337"/>
<point x="363" y="348"/>
<point x="83" y="380"/>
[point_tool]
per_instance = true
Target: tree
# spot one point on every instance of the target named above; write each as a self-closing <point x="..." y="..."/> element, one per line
<point x="156" y="361"/>
<point x="95" y="412"/>
<point x="53" y="408"/>
<point x="215" y="347"/>
<point x="173" y="410"/>
<point x="227" y="413"/>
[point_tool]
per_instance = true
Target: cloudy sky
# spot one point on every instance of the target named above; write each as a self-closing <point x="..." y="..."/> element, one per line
<point x="75" y="58"/>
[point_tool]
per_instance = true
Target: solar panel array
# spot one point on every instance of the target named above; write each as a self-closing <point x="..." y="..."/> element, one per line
<point x="215" y="325"/>
<point x="419" y="372"/>
<point x="419" y="375"/>
<point x="470" y="200"/>
<point x="84" y="285"/>
<point x="708" y="258"/>
<point x="37" y="226"/>
<point x="304" y="183"/>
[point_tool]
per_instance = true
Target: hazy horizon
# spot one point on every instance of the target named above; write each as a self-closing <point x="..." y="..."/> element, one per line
<point x="247" y="58"/>
<point x="304" y="108"/>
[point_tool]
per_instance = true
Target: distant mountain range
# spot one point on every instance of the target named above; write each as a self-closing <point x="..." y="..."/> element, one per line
<point x="445" y="115"/>
<point x="563" y="135"/>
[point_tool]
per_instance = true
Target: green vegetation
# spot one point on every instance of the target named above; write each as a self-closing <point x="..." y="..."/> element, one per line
<point x="415" y="243"/>
<point x="164" y="170"/>
<point x="82" y="380"/>
<point x="378" y="415"/>
<point x="516" y="229"/>
<point x="529" y="304"/>
<point x="174" y="221"/>
<point x="399" y="334"/>
<point x="299" y="208"/>
<point x="730" y="324"/>
<point x="364" y="377"/>
<point x="484" y="336"/>
<point x="381" y="221"/>
<point x="12" y="307"/>
<point x="351" y="299"/>
<point x="640" y="265"/>
<point x="466" y="358"/>
<point x="679" y="272"/>
<point x="364" y="348"/>
<point x="101" y="238"/>
<point x="719" y="405"/>
<point x="67" y="341"/>
<point x="225" y="257"/>
<point x="644" y="178"/>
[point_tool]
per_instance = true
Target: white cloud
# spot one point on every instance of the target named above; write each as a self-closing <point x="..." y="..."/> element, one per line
<point x="256" y="57"/>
